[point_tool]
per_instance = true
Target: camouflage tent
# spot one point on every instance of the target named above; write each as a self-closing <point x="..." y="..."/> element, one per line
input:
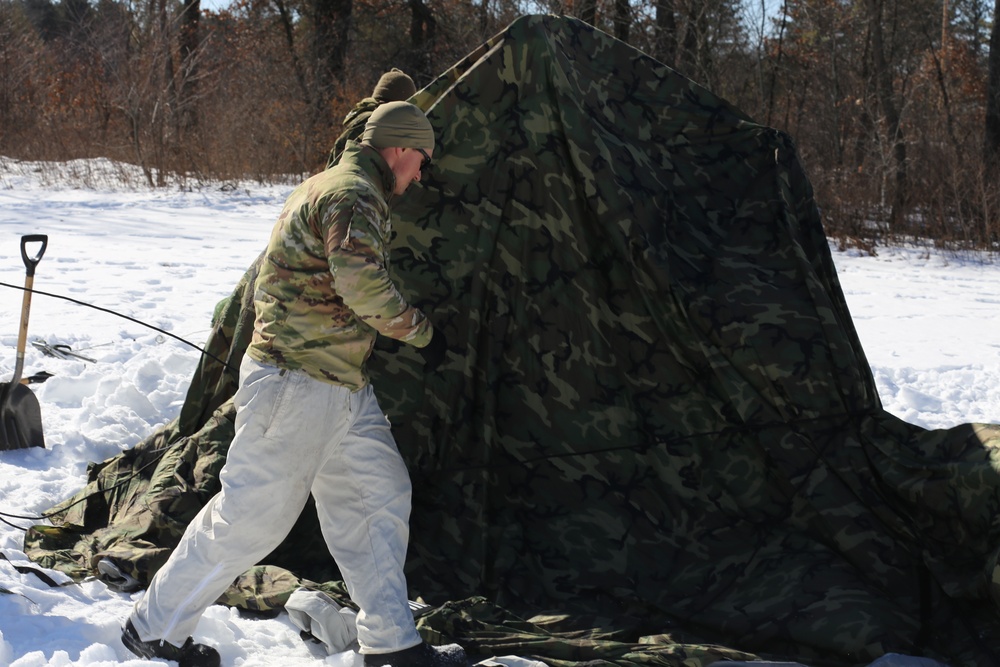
<point x="656" y="439"/>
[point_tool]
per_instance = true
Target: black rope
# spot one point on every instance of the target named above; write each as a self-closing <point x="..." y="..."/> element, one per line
<point x="13" y="516"/>
<point x="7" y="515"/>
<point x="225" y="365"/>
<point x="25" y="569"/>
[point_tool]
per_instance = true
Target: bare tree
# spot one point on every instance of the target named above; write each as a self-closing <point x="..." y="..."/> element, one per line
<point x="770" y="89"/>
<point x="189" y="40"/>
<point x="622" y="19"/>
<point x="287" y="23"/>
<point x="423" y="28"/>
<point x="20" y="55"/>
<point x="889" y="111"/>
<point x="163" y="40"/>
<point x="331" y="40"/>
<point x="992" y="130"/>
<point x="665" y="40"/>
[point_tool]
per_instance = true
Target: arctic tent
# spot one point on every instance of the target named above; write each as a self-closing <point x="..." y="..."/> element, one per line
<point x="655" y="440"/>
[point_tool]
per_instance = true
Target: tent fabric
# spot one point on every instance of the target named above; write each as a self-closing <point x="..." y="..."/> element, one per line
<point x="656" y="438"/>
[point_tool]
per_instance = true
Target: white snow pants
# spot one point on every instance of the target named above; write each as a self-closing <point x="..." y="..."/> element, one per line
<point x="296" y="435"/>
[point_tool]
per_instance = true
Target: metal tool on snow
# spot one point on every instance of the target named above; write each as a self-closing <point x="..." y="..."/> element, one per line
<point x="59" y="351"/>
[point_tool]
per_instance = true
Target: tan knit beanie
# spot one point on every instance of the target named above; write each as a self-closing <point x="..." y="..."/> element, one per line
<point x="398" y="125"/>
<point x="394" y="85"/>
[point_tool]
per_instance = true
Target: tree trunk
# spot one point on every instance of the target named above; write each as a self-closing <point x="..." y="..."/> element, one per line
<point x="160" y="118"/>
<point x="776" y="63"/>
<point x="941" y="71"/>
<point x="623" y="19"/>
<point x="890" y="114"/>
<point x="423" y="28"/>
<point x="484" y="19"/>
<point x="992" y="143"/>
<point x="288" y="26"/>
<point x="332" y="21"/>
<point x="190" y="36"/>
<point x="665" y="48"/>
<point x="693" y="57"/>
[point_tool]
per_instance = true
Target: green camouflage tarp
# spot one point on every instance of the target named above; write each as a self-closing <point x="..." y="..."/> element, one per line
<point x="656" y="438"/>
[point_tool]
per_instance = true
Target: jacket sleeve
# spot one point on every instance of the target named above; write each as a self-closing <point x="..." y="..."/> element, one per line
<point x="357" y="246"/>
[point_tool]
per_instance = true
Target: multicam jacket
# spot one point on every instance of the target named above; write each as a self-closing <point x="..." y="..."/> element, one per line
<point x="324" y="290"/>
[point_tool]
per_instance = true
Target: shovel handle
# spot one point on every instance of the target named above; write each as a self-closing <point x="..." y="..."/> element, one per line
<point x="31" y="262"/>
<point x="29" y="281"/>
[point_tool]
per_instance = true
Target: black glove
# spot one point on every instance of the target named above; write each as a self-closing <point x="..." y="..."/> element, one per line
<point x="433" y="353"/>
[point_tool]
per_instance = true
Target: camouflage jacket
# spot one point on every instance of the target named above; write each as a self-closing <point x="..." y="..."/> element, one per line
<point x="324" y="290"/>
<point x="354" y="127"/>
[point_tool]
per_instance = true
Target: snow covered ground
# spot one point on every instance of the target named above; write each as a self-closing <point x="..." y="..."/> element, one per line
<point x="928" y="322"/>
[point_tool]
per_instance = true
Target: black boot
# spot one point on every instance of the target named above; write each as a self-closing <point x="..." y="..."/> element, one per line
<point x="421" y="655"/>
<point x="189" y="655"/>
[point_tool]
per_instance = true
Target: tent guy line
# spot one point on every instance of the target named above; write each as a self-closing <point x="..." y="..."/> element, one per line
<point x="126" y="317"/>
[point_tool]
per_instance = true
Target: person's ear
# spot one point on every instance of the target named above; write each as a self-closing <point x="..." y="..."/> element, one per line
<point x="391" y="155"/>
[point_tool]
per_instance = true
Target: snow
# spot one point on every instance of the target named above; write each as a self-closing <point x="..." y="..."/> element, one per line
<point x="927" y="320"/>
<point x="928" y="324"/>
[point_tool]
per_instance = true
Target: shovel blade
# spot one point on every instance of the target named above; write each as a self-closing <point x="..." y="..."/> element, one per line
<point x="21" y="418"/>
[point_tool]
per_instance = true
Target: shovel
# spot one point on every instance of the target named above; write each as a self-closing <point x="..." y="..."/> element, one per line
<point x="20" y="416"/>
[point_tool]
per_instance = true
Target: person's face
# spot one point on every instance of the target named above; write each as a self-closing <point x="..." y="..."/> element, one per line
<point x="409" y="166"/>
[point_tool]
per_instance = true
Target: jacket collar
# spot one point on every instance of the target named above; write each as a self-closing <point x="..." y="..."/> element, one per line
<point x="371" y="163"/>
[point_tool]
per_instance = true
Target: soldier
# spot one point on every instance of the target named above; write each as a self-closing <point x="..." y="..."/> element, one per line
<point x="307" y="420"/>
<point x="393" y="86"/>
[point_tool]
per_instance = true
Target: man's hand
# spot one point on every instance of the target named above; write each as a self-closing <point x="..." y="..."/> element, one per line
<point x="434" y="352"/>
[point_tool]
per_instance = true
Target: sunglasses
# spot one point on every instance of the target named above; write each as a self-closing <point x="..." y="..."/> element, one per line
<point x="426" y="162"/>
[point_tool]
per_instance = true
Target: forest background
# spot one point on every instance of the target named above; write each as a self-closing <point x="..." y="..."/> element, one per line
<point x="893" y="104"/>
